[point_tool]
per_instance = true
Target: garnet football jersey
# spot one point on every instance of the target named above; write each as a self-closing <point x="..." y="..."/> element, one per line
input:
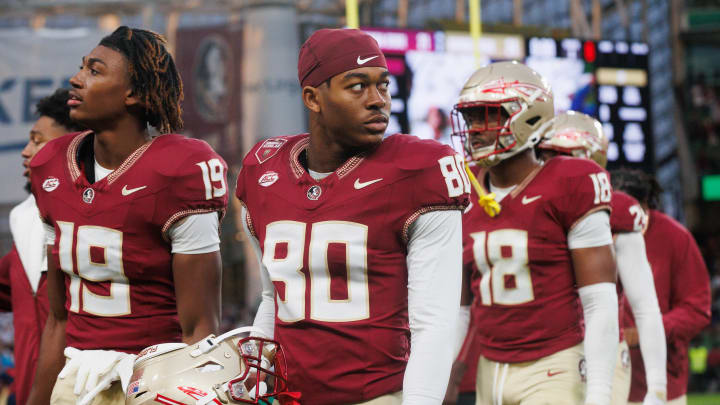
<point x="627" y="214"/>
<point x="30" y="310"/>
<point x="527" y="304"/>
<point x="336" y="251"/>
<point x="111" y="235"/>
<point x="682" y="285"/>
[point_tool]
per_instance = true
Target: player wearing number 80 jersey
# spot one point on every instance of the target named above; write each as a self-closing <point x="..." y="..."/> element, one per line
<point x="358" y="236"/>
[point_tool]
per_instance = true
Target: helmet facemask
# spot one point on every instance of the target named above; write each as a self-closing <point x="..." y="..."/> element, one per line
<point x="264" y="375"/>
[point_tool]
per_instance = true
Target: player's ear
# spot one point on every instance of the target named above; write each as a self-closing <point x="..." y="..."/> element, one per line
<point x="131" y="99"/>
<point x="311" y="98"/>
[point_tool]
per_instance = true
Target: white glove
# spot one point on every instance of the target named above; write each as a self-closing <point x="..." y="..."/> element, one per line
<point x="654" y="398"/>
<point x="95" y="371"/>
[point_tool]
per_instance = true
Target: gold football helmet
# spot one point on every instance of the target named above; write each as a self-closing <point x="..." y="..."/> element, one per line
<point x="503" y="109"/>
<point x="226" y="369"/>
<point x="577" y="134"/>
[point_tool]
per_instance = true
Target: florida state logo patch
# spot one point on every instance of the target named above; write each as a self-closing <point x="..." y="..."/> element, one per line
<point x="314" y="192"/>
<point x="88" y="195"/>
<point x="268" y="178"/>
<point x="269" y="148"/>
<point x="50" y="184"/>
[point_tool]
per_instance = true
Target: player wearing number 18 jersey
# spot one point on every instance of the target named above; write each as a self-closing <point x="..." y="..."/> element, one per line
<point x="546" y="243"/>
<point x="358" y="236"/>
<point x="132" y="224"/>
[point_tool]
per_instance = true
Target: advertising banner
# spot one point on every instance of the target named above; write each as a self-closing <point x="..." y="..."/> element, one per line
<point x="33" y="64"/>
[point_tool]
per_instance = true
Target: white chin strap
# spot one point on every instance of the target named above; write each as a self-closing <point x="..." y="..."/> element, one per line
<point x="533" y="140"/>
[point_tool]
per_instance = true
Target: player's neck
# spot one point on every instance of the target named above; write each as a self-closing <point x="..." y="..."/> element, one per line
<point x="324" y="155"/>
<point x="513" y="170"/>
<point x="113" y="146"/>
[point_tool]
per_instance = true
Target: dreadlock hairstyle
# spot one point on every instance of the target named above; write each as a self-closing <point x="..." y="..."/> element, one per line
<point x="153" y="76"/>
<point x="644" y="187"/>
<point x="55" y="106"/>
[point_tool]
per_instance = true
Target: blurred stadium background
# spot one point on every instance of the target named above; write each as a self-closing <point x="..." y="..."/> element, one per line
<point x="649" y="70"/>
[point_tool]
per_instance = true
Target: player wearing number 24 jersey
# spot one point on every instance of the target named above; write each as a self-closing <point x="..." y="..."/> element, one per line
<point x="358" y="237"/>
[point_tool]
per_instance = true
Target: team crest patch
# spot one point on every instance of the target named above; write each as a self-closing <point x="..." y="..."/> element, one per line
<point x="88" y="195"/>
<point x="314" y="192"/>
<point x="50" y="184"/>
<point x="269" y="148"/>
<point x="268" y="178"/>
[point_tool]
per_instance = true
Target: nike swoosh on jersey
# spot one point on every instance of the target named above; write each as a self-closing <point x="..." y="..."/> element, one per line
<point x="359" y="185"/>
<point x="361" y="61"/>
<point x="526" y="200"/>
<point x="550" y="373"/>
<point x="128" y="191"/>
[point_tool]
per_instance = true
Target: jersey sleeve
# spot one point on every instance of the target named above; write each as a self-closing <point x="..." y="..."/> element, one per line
<point x="583" y="188"/>
<point x="198" y="185"/>
<point x="690" y="297"/>
<point x="627" y="215"/>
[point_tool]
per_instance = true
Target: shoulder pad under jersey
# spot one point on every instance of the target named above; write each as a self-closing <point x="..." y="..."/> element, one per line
<point x="409" y="152"/>
<point x="269" y="148"/>
<point x="52" y="149"/>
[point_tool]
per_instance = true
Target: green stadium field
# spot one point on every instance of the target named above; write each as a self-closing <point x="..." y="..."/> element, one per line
<point x="703" y="399"/>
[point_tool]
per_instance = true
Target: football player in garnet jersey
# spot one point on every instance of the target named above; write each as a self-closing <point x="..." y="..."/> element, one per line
<point x="577" y="134"/>
<point x="132" y="224"/>
<point x="358" y="236"/>
<point x="23" y="281"/>
<point x="545" y="241"/>
<point x="682" y="285"/>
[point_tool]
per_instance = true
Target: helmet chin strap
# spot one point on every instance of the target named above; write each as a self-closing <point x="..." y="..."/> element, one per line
<point x="210" y="343"/>
<point x="533" y="140"/>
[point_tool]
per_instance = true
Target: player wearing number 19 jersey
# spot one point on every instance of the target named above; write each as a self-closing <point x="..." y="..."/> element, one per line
<point x="132" y="223"/>
<point x="111" y="240"/>
<point x="546" y="244"/>
<point x="358" y="236"/>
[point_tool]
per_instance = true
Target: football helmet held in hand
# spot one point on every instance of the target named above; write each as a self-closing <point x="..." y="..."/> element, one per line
<point x="503" y="109"/>
<point x="227" y="369"/>
<point x="577" y="134"/>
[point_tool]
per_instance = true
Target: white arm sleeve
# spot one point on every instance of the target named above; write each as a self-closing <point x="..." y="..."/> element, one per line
<point x="434" y="264"/>
<point x="265" y="317"/>
<point x="600" y="308"/>
<point x="637" y="280"/>
<point x="591" y="231"/>
<point x="49" y="234"/>
<point x="196" y="234"/>
<point x="463" y="325"/>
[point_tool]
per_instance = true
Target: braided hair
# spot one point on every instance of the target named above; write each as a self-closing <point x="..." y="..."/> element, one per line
<point x="644" y="187"/>
<point x="154" y="79"/>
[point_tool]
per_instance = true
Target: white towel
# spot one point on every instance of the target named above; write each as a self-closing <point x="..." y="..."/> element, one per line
<point x="29" y="236"/>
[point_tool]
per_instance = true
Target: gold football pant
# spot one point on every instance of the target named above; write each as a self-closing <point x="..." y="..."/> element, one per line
<point x="62" y="393"/>
<point x="556" y="379"/>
